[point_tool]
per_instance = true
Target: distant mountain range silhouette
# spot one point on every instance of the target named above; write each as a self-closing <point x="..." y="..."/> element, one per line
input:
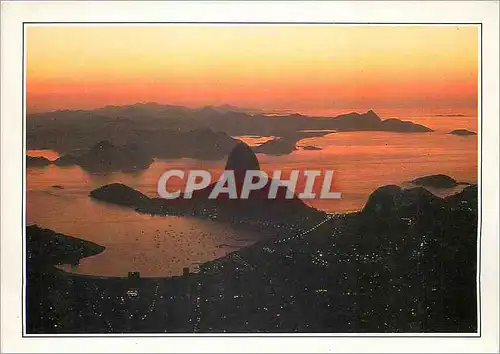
<point x="176" y="131"/>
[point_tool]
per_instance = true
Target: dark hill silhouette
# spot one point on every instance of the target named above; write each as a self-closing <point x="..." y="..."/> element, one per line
<point x="242" y="159"/>
<point x="66" y="160"/>
<point x="256" y="211"/>
<point x="355" y="121"/>
<point x="466" y="200"/>
<point x="366" y="266"/>
<point x="106" y="157"/>
<point x="202" y="143"/>
<point x="45" y="247"/>
<point x="392" y="200"/>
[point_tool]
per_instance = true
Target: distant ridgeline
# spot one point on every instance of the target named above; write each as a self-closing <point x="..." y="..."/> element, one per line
<point x="174" y="131"/>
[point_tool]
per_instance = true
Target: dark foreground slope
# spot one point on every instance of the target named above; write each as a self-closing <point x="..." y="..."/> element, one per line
<point x="406" y="263"/>
<point x="44" y="246"/>
<point x="44" y="250"/>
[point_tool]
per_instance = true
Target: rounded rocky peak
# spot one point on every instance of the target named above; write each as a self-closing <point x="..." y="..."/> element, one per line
<point x="383" y="199"/>
<point x="436" y="181"/>
<point x="242" y="158"/>
<point x="392" y="199"/>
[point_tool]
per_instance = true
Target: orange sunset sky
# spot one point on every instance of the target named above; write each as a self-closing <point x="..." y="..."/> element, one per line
<point x="300" y="68"/>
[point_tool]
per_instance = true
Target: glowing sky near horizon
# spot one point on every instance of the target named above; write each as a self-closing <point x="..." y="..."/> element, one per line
<point x="299" y="68"/>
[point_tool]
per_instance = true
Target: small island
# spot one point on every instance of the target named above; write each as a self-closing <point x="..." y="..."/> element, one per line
<point x="449" y="115"/>
<point x="38" y="161"/>
<point x="311" y="148"/>
<point x="436" y="181"/>
<point x="462" y="132"/>
<point x="119" y="194"/>
<point x="279" y="146"/>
